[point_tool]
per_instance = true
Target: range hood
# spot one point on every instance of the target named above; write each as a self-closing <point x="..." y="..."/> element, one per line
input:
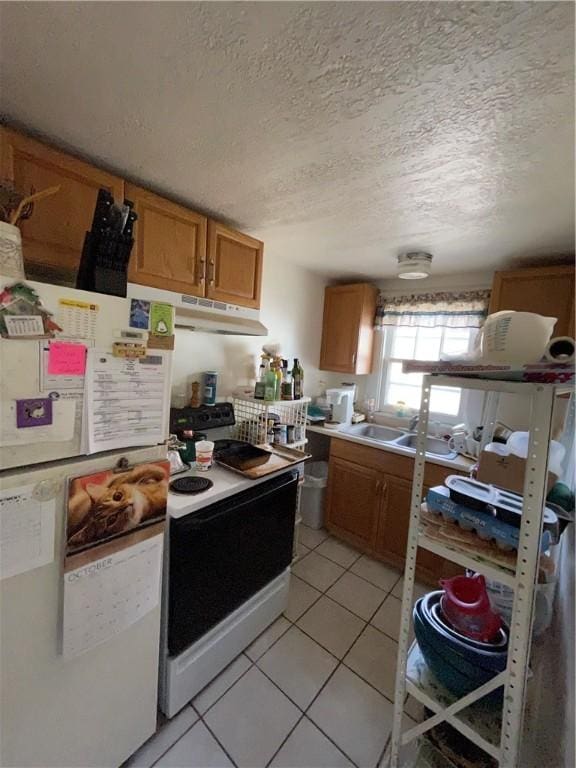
<point x="199" y="314"/>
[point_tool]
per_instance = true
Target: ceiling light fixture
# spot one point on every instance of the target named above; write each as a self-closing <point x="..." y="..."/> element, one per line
<point x="414" y="265"/>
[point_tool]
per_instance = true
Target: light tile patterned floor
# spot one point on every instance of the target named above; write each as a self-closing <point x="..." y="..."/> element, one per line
<point x="314" y="690"/>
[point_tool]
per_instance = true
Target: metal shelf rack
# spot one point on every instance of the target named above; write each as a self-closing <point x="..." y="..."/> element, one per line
<point x="497" y="732"/>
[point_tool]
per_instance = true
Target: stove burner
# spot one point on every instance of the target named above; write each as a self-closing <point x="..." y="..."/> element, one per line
<point x="190" y="485"/>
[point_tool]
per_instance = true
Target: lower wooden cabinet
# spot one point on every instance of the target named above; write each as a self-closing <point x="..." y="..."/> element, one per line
<point x="368" y="504"/>
<point x="354" y="497"/>
<point x="392" y="536"/>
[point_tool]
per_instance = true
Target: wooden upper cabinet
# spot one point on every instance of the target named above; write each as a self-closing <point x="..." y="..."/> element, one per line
<point x="53" y="237"/>
<point x="548" y="291"/>
<point x="234" y="273"/>
<point x="348" y="328"/>
<point x="170" y="244"/>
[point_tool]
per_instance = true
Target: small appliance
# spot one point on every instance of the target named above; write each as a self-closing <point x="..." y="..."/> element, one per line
<point x="342" y="402"/>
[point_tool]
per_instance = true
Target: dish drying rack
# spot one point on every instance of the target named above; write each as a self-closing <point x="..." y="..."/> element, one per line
<point x="497" y="731"/>
<point x="252" y="418"/>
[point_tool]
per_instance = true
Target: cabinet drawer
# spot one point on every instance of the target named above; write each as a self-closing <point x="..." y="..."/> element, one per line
<point x="390" y="463"/>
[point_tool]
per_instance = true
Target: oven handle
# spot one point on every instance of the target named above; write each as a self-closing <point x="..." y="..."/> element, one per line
<point x="197" y="520"/>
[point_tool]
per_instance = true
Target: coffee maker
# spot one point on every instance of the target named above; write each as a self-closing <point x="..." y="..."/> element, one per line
<point x="341" y="400"/>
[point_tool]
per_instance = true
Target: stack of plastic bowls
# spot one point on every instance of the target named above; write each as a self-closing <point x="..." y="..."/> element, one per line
<point x="458" y="662"/>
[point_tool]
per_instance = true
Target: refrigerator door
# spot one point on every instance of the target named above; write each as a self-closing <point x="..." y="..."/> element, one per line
<point x="94" y="709"/>
<point x="23" y="374"/>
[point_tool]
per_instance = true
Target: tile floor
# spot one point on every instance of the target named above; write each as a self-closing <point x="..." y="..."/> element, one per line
<point x="315" y="690"/>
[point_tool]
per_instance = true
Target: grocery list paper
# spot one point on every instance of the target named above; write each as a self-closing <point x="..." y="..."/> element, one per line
<point x="66" y="359"/>
<point x="126" y="400"/>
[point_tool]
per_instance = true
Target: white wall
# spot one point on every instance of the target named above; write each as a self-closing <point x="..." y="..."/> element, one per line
<point x="292" y="305"/>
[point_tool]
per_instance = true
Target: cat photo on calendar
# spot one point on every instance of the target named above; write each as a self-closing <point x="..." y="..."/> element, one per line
<point x="110" y="504"/>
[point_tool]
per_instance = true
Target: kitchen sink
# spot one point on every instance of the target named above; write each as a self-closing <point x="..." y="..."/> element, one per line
<point x="401" y="438"/>
<point x="433" y="445"/>
<point x="374" y="432"/>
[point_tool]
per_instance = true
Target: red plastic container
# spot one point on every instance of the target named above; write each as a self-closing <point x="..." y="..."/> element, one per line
<point x="466" y="605"/>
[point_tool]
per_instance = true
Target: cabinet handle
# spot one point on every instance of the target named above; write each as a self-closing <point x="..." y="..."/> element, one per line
<point x="354" y="358"/>
<point x="211" y="272"/>
<point x="201" y="271"/>
<point x="381" y="487"/>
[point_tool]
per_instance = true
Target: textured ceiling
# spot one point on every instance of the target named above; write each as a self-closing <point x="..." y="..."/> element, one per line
<point x="340" y="133"/>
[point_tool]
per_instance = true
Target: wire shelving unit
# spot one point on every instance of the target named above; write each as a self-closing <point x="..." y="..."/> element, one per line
<point x="252" y="417"/>
<point x="497" y="731"/>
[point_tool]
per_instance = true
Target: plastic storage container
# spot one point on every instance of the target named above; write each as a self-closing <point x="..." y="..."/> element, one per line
<point x="515" y="337"/>
<point x="466" y="605"/>
<point x="502" y="600"/>
<point x="314" y="494"/>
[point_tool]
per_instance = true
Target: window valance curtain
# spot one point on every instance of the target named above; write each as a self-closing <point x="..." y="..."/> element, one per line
<point x="462" y="309"/>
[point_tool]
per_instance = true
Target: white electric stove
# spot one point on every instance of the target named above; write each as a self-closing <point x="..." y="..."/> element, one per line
<point x="226" y="573"/>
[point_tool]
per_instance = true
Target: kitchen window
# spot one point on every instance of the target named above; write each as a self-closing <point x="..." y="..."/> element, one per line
<point x="425" y="326"/>
<point x="415" y="343"/>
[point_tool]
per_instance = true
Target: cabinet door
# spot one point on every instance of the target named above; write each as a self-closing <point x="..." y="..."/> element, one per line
<point x="53" y="237"/>
<point x="392" y="537"/>
<point x="234" y="266"/>
<point x="548" y="291"/>
<point x="170" y="244"/>
<point x="354" y="495"/>
<point x="348" y="328"/>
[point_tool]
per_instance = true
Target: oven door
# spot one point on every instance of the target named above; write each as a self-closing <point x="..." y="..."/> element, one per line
<point x="223" y="554"/>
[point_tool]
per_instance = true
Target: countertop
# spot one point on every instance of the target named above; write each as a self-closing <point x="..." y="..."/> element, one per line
<point x="460" y="462"/>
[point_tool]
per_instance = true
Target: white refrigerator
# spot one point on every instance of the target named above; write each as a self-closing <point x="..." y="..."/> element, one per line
<point x="96" y="707"/>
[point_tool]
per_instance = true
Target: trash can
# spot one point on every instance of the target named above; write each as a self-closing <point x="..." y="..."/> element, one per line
<point x="314" y="493"/>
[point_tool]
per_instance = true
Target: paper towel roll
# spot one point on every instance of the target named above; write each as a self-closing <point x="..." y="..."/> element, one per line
<point x="561" y="349"/>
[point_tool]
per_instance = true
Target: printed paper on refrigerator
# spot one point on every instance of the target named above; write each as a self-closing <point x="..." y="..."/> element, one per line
<point x="126" y="400"/>
<point x="26" y="531"/>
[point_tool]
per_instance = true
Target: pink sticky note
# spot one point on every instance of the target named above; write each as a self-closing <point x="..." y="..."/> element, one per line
<point x="65" y="359"/>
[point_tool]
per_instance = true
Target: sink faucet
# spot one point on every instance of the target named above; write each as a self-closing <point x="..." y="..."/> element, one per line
<point x="413" y="421"/>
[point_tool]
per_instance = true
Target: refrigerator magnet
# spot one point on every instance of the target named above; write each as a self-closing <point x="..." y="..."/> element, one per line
<point x="161" y="319"/>
<point x="140" y="314"/>
<point x="34" y="412"/>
